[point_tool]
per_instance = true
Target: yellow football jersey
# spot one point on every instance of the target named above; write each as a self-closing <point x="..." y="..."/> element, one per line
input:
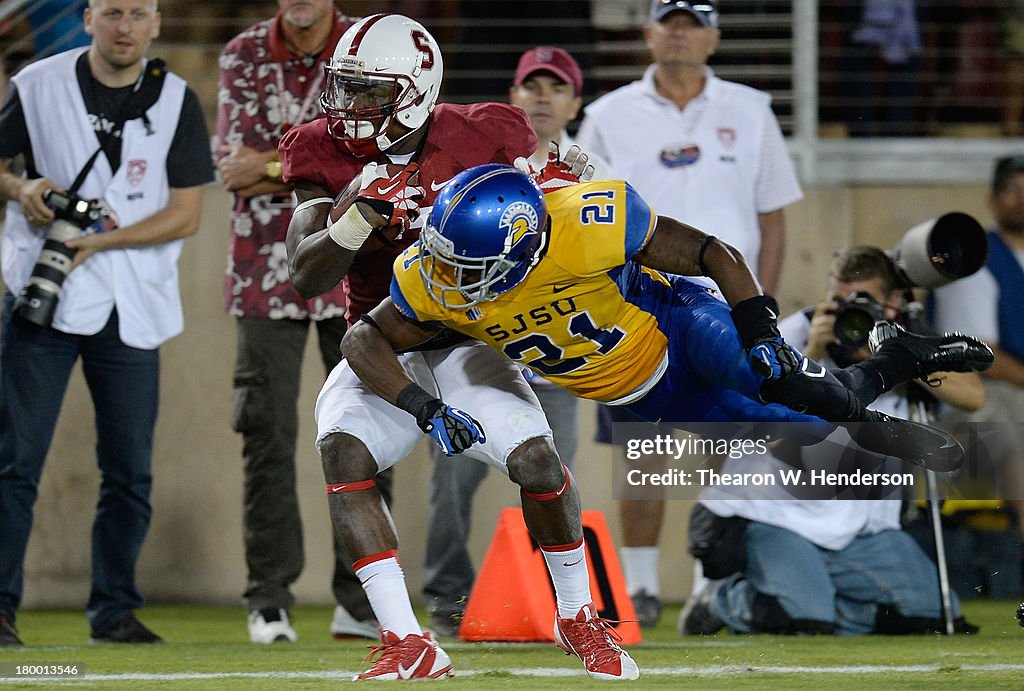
<point x="567" y="320"/>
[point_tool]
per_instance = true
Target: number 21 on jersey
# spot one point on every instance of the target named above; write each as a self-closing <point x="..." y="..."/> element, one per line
<point x="598" y="212"/>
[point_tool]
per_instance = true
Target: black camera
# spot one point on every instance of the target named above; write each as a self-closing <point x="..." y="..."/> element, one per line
<point x="855" y="317"/>
<point x="37" y="301"/>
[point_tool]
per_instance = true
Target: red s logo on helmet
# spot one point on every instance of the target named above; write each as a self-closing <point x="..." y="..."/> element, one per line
<point x="423" y="42"/>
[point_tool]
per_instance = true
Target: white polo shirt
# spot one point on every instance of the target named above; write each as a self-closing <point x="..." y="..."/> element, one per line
<point x="715" y="164"/>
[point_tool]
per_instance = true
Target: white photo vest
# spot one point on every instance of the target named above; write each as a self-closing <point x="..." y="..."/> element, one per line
<point x="142" y="283"/>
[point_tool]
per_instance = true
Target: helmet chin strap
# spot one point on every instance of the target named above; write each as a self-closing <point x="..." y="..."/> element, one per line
<point x="384" y="142"/>
<point x="361" y="145"/>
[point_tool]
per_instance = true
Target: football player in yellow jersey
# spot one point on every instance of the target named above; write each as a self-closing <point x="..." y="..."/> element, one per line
<point x="570" y="285"/>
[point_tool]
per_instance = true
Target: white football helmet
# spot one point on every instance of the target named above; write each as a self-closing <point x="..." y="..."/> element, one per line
<point x="386" y="67"/>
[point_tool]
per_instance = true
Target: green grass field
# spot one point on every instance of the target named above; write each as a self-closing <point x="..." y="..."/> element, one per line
<point x="208" y="648"/>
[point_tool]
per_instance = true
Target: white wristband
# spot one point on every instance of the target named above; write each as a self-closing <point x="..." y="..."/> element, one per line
<point x="351" y="230"/>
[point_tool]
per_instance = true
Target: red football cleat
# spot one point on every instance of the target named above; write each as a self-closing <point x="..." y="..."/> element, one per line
<point x="412" y="657"/>
<point x="593" y="640"/>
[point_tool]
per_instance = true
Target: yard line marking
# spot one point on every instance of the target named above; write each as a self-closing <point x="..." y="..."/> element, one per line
<point x="711" y="670"/>
<point x="647" y="645"/>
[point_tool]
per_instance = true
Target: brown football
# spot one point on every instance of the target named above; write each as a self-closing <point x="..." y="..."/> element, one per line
<point x="384" y="237"/>
<point x="345" y="199"/>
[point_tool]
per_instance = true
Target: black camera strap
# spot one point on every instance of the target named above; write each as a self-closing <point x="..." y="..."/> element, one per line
<point x="134" y="107"/>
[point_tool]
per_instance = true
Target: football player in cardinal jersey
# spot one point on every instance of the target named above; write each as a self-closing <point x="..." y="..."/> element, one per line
<point x="382" y="126"/>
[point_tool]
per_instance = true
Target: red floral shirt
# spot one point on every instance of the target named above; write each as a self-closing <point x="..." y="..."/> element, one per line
<point x="265" y="89"/>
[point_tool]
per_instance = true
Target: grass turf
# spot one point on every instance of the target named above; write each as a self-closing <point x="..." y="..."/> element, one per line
<point x="209" y="648"/>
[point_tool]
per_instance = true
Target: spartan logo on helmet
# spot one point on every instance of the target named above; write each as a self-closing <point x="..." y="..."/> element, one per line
<point x="519" y="221"/>
<point x="483" y="235"/>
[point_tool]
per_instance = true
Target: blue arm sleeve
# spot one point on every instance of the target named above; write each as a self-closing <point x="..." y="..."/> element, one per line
<point x="640" y="219"/>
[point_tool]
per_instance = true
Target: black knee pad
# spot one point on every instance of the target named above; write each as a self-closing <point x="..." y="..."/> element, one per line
<point x="346" y="458"/>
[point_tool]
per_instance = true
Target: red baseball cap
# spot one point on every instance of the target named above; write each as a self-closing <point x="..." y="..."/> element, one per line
<point x="550" y="59"/>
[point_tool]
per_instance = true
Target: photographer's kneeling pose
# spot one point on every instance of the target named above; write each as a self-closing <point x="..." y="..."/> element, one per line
<point x="791" y="559"/>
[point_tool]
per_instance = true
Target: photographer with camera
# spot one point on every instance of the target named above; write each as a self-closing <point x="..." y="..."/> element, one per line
<point x="791" y="564"/>
<point x="116" y="153"/>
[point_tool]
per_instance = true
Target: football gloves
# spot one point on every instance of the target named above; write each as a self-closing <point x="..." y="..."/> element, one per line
<point x="774" y="359"/>
<point x="395" y="197"/>
<point x="451" y="429"/>
<point x="558" y="173"/>
<point x="769" y="355"/>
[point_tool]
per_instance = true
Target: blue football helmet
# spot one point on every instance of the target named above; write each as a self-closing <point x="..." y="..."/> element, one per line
<point x="485" y="231"/>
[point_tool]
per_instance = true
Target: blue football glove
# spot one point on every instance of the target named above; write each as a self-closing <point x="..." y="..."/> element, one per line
<point x="775" y="359"/>
<point x="452" y="429"/>
<point x="769" y="355"/>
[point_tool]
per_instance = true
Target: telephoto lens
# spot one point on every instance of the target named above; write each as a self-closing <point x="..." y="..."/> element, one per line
<point x="37" y="301"/>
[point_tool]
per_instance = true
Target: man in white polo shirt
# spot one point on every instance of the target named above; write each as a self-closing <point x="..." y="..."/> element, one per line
<point x="710" y="153"/>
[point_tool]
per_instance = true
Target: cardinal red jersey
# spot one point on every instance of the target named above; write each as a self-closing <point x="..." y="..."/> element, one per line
<point x="458" y="137"/>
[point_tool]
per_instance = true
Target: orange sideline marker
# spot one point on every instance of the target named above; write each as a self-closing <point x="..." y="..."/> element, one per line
<point x="513" y="598"/>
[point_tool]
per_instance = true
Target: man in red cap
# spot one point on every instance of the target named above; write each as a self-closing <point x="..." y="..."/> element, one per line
<point x="548" y="85"/>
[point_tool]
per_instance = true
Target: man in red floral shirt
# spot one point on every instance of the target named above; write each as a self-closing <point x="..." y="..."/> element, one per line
<point x="271" y="80"/>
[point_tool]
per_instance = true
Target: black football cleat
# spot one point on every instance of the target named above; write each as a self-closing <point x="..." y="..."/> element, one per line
<point x="951" y="352"/>
<point x="911" y="442"/>
<point x="647" y="608"/>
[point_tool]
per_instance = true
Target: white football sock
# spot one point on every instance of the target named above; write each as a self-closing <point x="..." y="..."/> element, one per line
<point x="384" y="583"/>
<point x="640" y="568"/>
<point x="570" y="576"/>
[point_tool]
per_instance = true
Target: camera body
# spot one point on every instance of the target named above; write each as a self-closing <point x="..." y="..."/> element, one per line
<point x="929" y="255"/>
<point x="855" y="317"/>
<point x="37" y="301"/>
